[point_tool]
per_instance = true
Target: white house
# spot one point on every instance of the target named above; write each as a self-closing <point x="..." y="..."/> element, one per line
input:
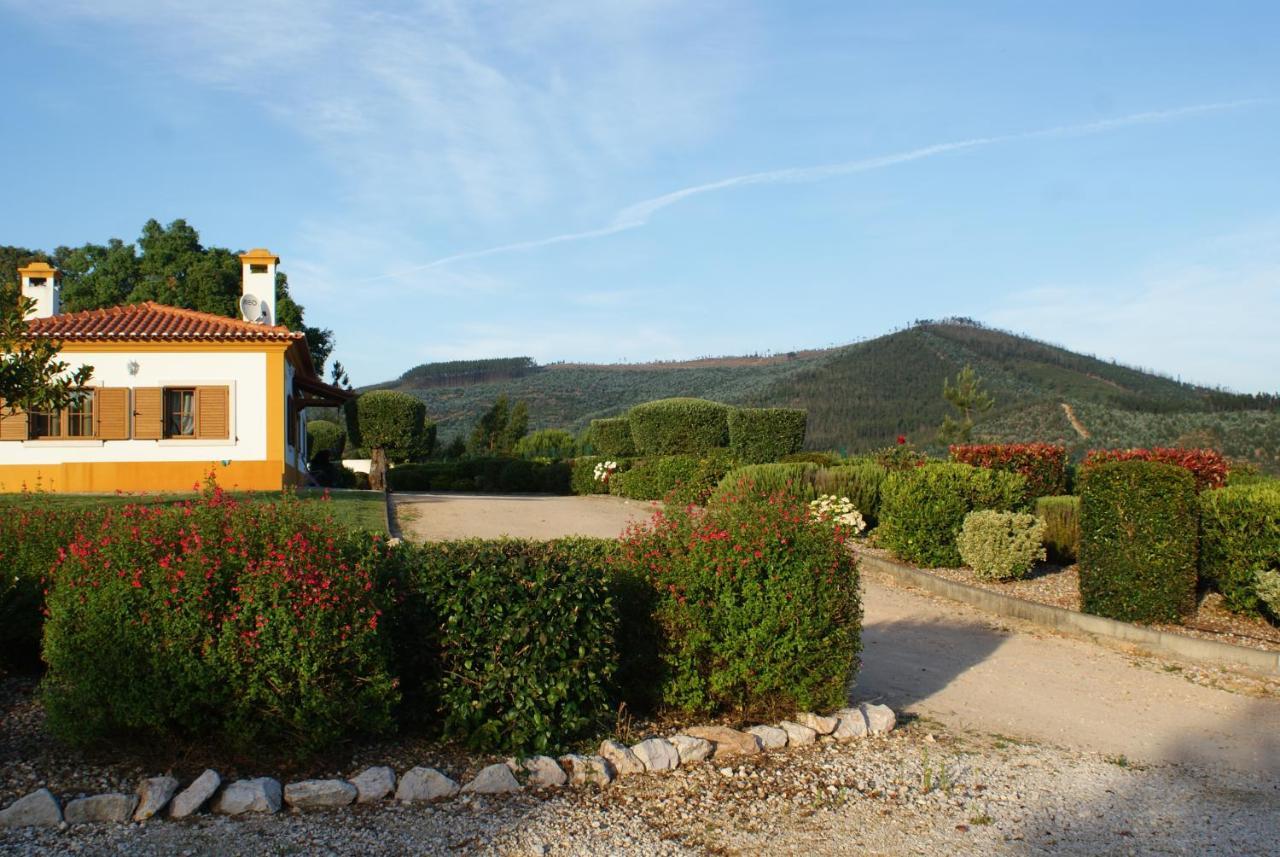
<point x="175" y="395"/>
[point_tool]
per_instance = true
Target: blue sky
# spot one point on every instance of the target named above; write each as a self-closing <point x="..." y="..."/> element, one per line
<point x="639" y="180"/>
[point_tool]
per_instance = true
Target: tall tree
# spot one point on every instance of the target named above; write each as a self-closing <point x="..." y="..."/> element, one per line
<point x="969" y="399"/>
<point x="32" y="378"/>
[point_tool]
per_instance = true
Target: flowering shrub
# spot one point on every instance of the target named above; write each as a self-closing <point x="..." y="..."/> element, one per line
<point x="603" y="470"/>
<point x="1043" y="465"/>
<point x="900" y="456"/>
<point x="829" y="507"/>
<point x="757" y="605"/>
<point x="1208" y="466"/>
<point x="582" y="478"/>
<point x="1001" y="545"/>
<point x="250" y="624"/>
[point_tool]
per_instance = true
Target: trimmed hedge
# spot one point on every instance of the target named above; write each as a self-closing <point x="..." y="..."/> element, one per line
<point x="1001" y="545"/>
<point x="489" y="475"/>
<point x="922" y="509"/>
<point x="547" y="444"/>
<point x="679" y="427"/>
<point x="1044" y="465"/>
<point x="582" y="479"/>
<point x="1138" y="539"/>
<point x="326" y="435"/>
<point x="611" y="438"/>
<point x="675" y="478"/>
<point x="766" y="479"/>
<point x="822" y="459"/>
<point x="1207" y="465"/>
<point x="1239" y="536"/>
<point x="391" y="421"/>
<point x="1061" y="516"/>
<point x="861" y="483"/>
<point x="761" y="435"/>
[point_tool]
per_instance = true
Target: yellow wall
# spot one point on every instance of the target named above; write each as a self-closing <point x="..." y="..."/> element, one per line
<point x="110" y="476"/>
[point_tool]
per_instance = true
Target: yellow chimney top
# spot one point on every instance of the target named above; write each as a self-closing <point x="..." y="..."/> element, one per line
<point x="260" y="256"/>
<point x="37" y="270"/>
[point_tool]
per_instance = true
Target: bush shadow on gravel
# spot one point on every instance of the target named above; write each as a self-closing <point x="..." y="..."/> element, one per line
<point x="905" y="661"/>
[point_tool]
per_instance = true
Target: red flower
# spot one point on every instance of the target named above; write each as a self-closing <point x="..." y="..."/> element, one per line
<point x="902" y="439"/>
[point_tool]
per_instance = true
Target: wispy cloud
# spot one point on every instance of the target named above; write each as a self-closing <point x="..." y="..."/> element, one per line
<point x="639" y="214"/>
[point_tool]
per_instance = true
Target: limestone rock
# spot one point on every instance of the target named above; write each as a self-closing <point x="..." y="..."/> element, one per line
<point x="425" y="784"/>
<point x="261" y="794"/>
<point x="853" y="724"/>
<point x="544" y="772"/>
<point x="38" y="809"/>
<point x="818" y="723"/>
<point x="728" y="742"/>
<point x="154" y="795"/>
<point x="771" y="737"/>
<point x="319" y="794"/>
<point x="374" y="784"/>
<point x="587" y="769"/>
<point x="798" y="734"/>
<point x="194" y="796"/>
<point x="880" y="718"/>
<point x="100" y="809"/>
<point x="657" y="754"/>
<point x="623" y="760"/>
<point x="493" y="780"/>
<point x="691" y="749"/>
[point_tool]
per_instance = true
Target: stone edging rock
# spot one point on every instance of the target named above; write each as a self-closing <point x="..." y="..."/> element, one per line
<point x="421" y="784"/>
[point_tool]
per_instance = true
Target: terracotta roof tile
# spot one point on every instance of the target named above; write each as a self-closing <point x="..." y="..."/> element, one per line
<point x="154" y="322"/>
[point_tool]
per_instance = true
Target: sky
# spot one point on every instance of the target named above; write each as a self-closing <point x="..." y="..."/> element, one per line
<point x="626" y="181"/>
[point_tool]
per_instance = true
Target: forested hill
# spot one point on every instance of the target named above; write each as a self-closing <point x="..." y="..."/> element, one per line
<point x="862" y="396"/>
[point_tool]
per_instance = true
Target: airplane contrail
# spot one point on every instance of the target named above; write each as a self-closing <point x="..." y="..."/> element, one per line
<point x="637" y="215"/>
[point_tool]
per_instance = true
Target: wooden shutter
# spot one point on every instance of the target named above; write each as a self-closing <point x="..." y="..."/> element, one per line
<point x="111" y="410"/>
<point x="13" y="425"/>
<point x="213" y="413"/>
<point x="148" y="413"/>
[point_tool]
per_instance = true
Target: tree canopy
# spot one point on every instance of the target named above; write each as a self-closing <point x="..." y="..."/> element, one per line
<point x="32" y="378"/>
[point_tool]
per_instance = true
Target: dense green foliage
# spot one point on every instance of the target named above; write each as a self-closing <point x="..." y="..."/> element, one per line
<point x="1061" y="516"/>
<point x="969" y="400"/>
<point x="612" y="437"/>
<point x="1239" y="536"/>
<point x="1138" y="540"/>
<point x="456" y="373"/>
<point x="674" y="478"/>
<point x="680" y="426"/>
<point x="1001" y="545"/>
<point x="1044" y="465"/>
<point x="392" y="426"/>
<point x="765" y="479"/>
<point x="487" y="475"/>
<point x="553" y="444"/>
<point x="499" y="429"/>
<point x="860" y="482"/>
<point x="760" y="435"/>
<point x="757" y="607"/>
<point x="327" y="436"/>
<point x="248" y="624"/>
<point x="923" y="509"/>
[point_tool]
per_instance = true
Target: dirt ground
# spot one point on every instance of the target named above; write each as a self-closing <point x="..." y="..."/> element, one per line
<point x="937" y="659"/>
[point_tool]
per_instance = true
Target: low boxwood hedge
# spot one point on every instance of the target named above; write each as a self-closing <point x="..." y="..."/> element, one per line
<point x="489" y="475"/>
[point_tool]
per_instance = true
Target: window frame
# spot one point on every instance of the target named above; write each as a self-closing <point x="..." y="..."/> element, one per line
<point x="61" y="419"/>
<point x="167" y="414"/>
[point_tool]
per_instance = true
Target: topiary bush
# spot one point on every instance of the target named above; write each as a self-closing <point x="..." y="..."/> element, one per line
<point x="548" y="444"/>
<point x="679" y="427"/>
<point x="1061" y="516"/>
<point x="248" y="625"/>
<point x="1001" y="545"/>
<point x="761" y="435"/>
<point x="1044" y="465"/>
<point x="611" y="438"/>
<point x="525" y="639"/>
<point x="757" y="605"/>
<point x="1239" y="534"/>
<point x="1138" y="527"/>
<point x="1207" y="465"/>
<point x="674" y="478"/>
<point x="922" y="509"/>
<point x="392" y="425"/>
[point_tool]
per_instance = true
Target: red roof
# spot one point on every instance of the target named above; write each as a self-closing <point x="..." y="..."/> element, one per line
<point x="154" y="322"/>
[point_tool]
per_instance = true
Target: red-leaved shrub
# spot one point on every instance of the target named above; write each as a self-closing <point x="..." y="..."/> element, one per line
<point x="1043" y="464"/>
<point x="1208" y="466"/>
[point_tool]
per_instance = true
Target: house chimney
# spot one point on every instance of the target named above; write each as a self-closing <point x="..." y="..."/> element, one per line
<point x="43" y="284"/>
<point x="258" y="292"/>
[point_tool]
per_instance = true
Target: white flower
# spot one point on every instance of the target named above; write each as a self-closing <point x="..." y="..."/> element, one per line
<point x="604" y="470"/>
<point x="833" y="508"/>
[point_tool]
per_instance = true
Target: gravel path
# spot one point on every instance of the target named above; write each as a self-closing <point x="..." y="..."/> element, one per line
<point x="437" y="517"/>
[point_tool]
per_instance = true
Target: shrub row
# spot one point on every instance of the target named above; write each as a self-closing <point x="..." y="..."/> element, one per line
<point x="1043" y="465"/>
<point x="495" y="475"/>
<point x="679" y="479"/>
<point x="759" y="435"/>
<point x="861" y="483"/>
<point x="1208" y="466"/>
<point x="547" y="444"/>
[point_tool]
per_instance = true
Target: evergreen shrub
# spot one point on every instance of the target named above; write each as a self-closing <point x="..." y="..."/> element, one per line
<point x="611" y="438"/>
<point x="1044" y="465"/>
<point x="1001" y="545"/>
<point x="674" y="478"/>
<point x="547" y="444"/>
<point x="761" y="435"/>
<point x="488" y="475"/>
<point x="922" y="509"/>
<point x="326" y="435"/>
<point x="679" y="427"/>
<point x="766" y="479"/>
<point x="1239" y="536"/>
<point x="822" y="459"/>
<point x="1061" y="516"/>
<point x="1207" y="465"/>
<point x="1138" y="539"/>
<point x="861" y="483"/>
<point x="583" y="476"/>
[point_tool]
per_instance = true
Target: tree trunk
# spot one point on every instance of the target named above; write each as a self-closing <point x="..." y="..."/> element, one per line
<point x="378" y="469"/>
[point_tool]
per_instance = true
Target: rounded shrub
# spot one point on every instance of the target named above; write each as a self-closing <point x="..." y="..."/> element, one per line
<point x="1138" y="540"/>
<point x="611" y="438"/>
<point x="1239" y="535"/>
<point x="326" y="436"/>
<point x="679" y="427"/>
<point x="1001" y="545"/>
<point x="922" y="508"/>
<point x="392" y="426"/>
<point x="760" y="435"/>
<point x="553" y="444"/>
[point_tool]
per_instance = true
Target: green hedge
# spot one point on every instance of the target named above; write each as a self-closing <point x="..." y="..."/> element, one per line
<point x="822" y="459"/>
<point x="611" y="438"/>
<point x="1138" y="539"/>
<point x="326" y="435"/>
<point x="523" y="656"/>
<point x="1061" y="516"/>
<point x="761" y="435"/>
<point x="922" y="509"/>
<point x="488" y="475"/>
<point x="1239" y="536"/>
<point x="676" y="478"/>
<point x="766" y="479"/>
<point x="547" y="444"/>
<point x="582" y="480"/>
<point x="861" y="483"/>
<point x="679" y="427"/>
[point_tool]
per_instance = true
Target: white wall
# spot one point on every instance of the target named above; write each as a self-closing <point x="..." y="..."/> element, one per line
<point x="243" y="373"/>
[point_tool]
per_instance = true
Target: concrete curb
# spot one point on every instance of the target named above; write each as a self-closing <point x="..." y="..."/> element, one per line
<point x="389" y="516"/>
<point x="1157" y="642"/>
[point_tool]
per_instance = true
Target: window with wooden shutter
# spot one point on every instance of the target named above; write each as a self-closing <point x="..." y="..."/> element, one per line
<point x="13" y="424"/>
<point x="213" y="413"/>
<point x="148" y="413"/>
<point x="112" y="411"/>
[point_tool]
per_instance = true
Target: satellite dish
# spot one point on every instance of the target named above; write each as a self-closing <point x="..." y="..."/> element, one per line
<point x="250" y="308"/>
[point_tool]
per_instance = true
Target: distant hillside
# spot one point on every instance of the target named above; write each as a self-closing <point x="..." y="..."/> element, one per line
<point x="862" y="396"/>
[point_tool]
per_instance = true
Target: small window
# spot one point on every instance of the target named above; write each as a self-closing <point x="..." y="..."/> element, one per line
<point x="255" y="268"/>
<point x="46" y="424"/>
<point x="79" y="414"/>
<point x="179" y="413"/>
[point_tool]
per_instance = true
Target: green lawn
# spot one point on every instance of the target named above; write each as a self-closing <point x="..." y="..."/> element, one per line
<point x="361" y="510"/>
